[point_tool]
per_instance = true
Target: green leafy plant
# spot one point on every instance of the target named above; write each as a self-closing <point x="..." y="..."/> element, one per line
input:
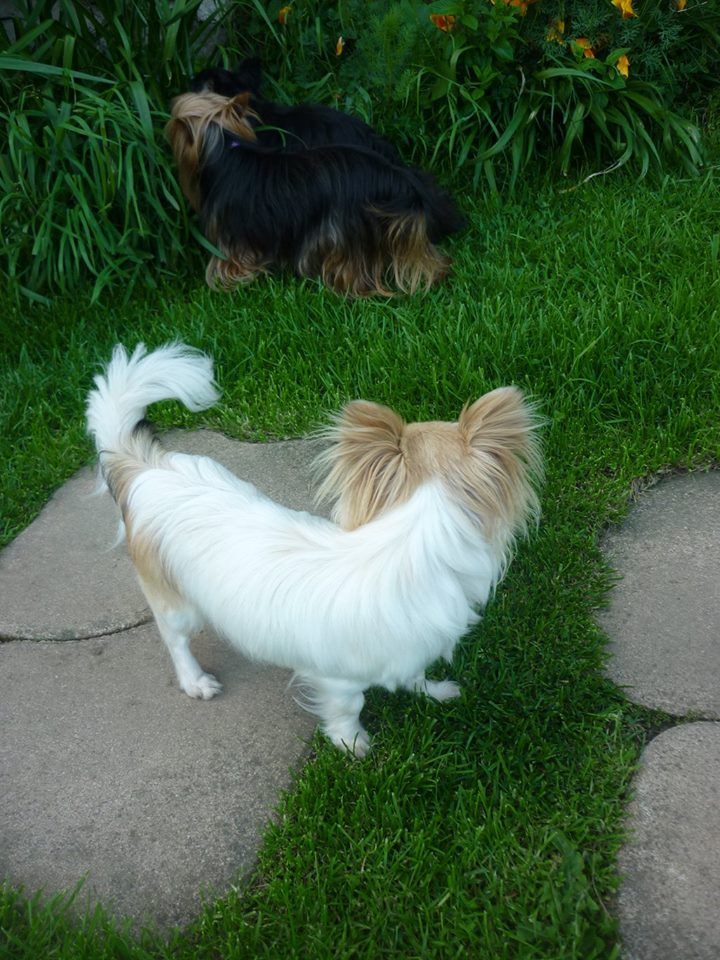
<point x="86" y="190"/>
<point x="155" y="43"/>
<point x="490" y="86"/>
<point x="86" y="186"/>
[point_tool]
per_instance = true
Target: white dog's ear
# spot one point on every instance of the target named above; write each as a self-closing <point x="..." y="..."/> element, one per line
<point x="364" y="467"/>
<point x="504" y="458"/>
<point x="361" y="421"/>
<point x="500" y="423"/>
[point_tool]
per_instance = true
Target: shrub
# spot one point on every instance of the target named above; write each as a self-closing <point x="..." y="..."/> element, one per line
<point x="474" y="81"/>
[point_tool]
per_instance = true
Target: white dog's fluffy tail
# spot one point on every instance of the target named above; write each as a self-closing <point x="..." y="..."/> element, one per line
<point x="130" y="384"/>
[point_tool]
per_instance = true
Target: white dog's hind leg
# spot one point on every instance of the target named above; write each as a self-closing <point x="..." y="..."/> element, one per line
<point x="176" y="625"/>
<point x="437" y="689"/>
<point x="338" y="704"/>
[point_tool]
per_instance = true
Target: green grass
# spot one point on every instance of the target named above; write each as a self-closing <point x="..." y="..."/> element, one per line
<point x="486" y="827"/>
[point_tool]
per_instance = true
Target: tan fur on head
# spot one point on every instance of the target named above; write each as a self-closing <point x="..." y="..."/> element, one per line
<point x="487" y="462"/>
<point x="195" y="127"/>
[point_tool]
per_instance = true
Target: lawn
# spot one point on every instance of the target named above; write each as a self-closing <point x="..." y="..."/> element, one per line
<point x="486" y="827"/>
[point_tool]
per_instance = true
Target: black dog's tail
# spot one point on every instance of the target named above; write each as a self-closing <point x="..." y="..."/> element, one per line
<point x="441" y="215"/>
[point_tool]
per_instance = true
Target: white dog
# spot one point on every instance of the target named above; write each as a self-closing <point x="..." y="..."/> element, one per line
<point x="425" y="516"/>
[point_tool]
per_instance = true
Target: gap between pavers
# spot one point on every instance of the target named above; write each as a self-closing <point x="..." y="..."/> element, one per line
<point x="109" y="771"/>
<point x="663" y="619"/>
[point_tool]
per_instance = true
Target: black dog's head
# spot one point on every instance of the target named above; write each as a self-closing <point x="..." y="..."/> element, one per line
<point x="246" y="78"/>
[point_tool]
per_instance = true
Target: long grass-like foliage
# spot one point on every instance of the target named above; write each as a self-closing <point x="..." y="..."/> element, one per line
<point x="86" y="190"/>
<point x="86" y="186"/>
<point x="567" y="116"/>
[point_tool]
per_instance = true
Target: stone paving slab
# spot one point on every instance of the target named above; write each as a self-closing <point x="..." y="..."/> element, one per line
<point x="669" y="903"/>
<point x="109" y="770"/>
<point x="664" y="613"/>
<point x="62" y="579"/>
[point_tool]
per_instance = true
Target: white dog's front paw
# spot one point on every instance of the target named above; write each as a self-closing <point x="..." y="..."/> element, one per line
<point x="204" y="687"/>
<point x="442" y="689"/>
<point x="360" y="747"/>
<point x="357" y="744"/>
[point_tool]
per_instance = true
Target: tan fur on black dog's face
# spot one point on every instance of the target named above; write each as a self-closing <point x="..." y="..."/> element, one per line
<point x="196" y="124"/>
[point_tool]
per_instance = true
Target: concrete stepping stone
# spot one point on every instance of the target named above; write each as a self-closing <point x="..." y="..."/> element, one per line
<point x="664" y="623"/>
<point x="110" y="772"/>
<point x="669" y="903"/>
<point x="664" y="613"/>
<point x="62" y="579"/>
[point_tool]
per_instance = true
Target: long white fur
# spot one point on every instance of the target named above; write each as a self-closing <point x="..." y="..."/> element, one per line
<point x="345" y="610"/>
<point x="131" y="384"/>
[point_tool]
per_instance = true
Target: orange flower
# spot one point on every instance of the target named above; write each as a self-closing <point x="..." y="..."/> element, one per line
<point x="623" y="65"/>
<point x="625" y="7"/>
<point x="522" y="5"/>
<point x="283" y="14"/>
<point x="556" y="31"/>
<point x="339" y="46"/>
<point x="586" y="47"/>
<point x="443" y="21"/>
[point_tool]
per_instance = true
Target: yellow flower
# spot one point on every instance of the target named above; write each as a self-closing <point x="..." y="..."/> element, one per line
<point x="625" y="7"/>
<point x="623" y="65"/>
<point x="283" y="14"/>
<point x="586" y="46"/>
<point x="443" y="21"/>
<point x="339" y="46"/>
<point x="556" y="31"/>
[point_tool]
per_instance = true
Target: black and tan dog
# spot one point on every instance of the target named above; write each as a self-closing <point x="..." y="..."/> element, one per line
<point x="304" y="187"/>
